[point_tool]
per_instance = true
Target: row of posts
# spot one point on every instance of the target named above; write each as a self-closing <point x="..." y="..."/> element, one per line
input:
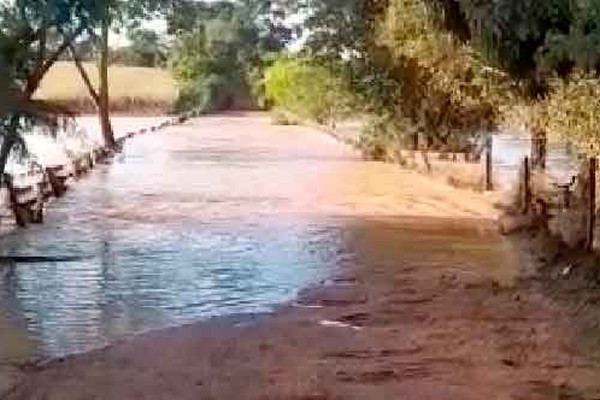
<point x="27" y="201"/>
<point x="582" y="188"/>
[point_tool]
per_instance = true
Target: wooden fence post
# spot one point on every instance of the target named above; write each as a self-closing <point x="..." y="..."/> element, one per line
<point x="593" y="164"/>
<point x="489" y="184"/>
<point x="526" y="185"/>
<point x="20" y="213"/>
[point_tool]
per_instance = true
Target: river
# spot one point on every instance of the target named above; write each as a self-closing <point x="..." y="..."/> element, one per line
<point x="228" y="214"/>
<point x="207" y="219"/>
<point x="224" y="215"/>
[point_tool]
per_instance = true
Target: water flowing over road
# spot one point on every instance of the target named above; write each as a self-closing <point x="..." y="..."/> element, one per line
<point x="400" y="285"/>
<point x="224" y="215"/>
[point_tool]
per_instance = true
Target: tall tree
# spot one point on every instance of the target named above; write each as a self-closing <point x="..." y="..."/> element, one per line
<point x="112" y="14"/>
<point x="533" y="41"/>
<point x="146" y="49"/>
<point x="219" y="50"/>
<point x="104" y="96"/>
<point x="419" y="80"/>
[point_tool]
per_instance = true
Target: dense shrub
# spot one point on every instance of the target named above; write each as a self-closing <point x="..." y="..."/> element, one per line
<point x="445" y="95"/>
<point x="308" y="90"/>
<point x="572" y="112"/>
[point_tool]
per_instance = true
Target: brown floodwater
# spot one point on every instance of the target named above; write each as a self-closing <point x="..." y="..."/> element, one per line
<point x="223" y="215"/>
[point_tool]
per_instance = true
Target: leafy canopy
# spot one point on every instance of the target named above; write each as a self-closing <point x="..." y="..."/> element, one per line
<point x="220" y="47"/>
<point x="308" y="90"/>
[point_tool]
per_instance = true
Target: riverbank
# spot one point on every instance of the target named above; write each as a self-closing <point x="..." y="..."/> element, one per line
<point x="426" y="302"/>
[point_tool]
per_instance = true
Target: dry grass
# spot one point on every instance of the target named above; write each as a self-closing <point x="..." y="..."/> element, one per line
<point x="133" y="89"/>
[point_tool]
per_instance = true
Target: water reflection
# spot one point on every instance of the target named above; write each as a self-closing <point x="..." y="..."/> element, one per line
<point x="511" y="148"/>
<point x="17" y="344"/>
<point x="149" y="276"/>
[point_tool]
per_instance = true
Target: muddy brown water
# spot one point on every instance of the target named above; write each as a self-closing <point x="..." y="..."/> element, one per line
<point x="224" y="215"/>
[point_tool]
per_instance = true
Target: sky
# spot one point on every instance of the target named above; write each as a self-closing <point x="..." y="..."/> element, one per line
<point x="119" y="39"/>
<point x="159" y="25"/>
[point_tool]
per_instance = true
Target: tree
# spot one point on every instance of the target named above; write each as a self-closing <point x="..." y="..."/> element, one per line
<point x="534" y="41"/>
<point x="34" y="34"/>
<point x="146" y="49"/>
<point x="344" y="33"/>
<point x="114" y="13"/>
<point x="219" y="55"/>
<point x="513" y="34"/>
<point x="419" y="81"/>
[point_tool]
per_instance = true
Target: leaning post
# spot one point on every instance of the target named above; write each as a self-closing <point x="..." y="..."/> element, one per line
<point x="489" y="184"/>
<point x="526" y="185"/>
<point x="593" y="165"/>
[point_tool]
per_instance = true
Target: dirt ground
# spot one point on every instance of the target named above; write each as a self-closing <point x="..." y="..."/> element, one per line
<point x="434" y="305"/>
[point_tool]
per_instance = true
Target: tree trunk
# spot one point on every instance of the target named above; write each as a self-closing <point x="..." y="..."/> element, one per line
<point x="489" y="167"/>
<point x="103" y="109"/>
<point x="35" y="77"/>
<point x="85" y="78"/>
<point x="44" y="63"/>
<point x="415" y="141"/>
<point x="5" y="149"/>
<point x="8" y="142"/>
<point x="591" y="217"/>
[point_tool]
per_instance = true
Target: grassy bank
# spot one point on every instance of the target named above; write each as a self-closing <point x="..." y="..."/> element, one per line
<point x="134" y="90"/>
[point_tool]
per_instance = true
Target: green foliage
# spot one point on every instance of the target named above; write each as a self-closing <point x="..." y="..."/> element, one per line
<point x="420" y="82"/>
<point x="446" y="92"/>
<point x="578" y="47"/>
<point x="308" y="90"/>
<point x="383" y="134"/>
<point x="129" y="14"/>
<point x="543" y="45"/>
<point x="343" y="27"/>
<point x="211" y="93"/>
<point x="205" y="61"/>
<point x="531" y="40"/>
<point x="345" y="32"/>
<point x="146" y="50"/>
<point x="224" y="50"/>
<point x="572" y="112"/>
<point x="513" y="32"/>
<point x="33" y="35"/>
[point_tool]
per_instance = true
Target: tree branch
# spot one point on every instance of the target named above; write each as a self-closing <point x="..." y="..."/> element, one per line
<point x="42" y="50"/>
<point x="84" y="76"/>
<point x="33" y="82"/>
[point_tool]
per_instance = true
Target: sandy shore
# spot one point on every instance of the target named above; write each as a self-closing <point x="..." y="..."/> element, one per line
<point x="438" y="311"/>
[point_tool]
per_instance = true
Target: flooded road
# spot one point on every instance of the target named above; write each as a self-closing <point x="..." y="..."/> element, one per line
<point x="224" y="215"/>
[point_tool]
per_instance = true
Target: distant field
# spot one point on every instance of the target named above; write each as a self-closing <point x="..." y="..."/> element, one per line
<point x="133" y="90"/>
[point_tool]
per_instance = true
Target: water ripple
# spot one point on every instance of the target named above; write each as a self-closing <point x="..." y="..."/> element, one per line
<point x="174" y="231"/>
